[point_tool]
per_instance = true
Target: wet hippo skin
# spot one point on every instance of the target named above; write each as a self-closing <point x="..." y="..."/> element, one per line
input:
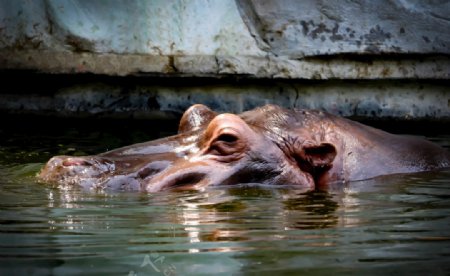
<point x="268" y="145"/>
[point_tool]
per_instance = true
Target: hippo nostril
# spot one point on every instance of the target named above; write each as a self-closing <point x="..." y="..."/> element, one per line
<point x="75" y="162"/>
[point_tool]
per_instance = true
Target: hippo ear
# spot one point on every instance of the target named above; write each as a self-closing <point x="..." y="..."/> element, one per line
<point x="315" y="157"/>
<point x="195" y="117"/>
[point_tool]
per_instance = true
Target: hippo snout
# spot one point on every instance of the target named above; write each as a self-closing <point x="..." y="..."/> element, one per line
<point x="69" y="170"/>
<point x="74" y="161"/>
<point x="54" y="162"/>
<point x="66" y="161"/>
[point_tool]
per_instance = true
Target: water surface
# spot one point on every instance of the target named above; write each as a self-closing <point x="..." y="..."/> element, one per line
<point x="394" y="224"/>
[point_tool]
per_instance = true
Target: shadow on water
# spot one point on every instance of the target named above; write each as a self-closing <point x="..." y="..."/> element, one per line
<point x="392" y="224"/>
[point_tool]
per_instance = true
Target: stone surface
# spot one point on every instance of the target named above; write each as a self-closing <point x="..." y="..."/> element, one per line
<point x="319" y="27"/>
<point x="168" y="98"/>
<point x="426" y="67"/>
<point x="262" y="39"/>
<point x="159" y="27"/>
<point x="365" y="58"/>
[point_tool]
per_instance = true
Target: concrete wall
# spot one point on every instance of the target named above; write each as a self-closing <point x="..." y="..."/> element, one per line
<point x="349" y="41"/>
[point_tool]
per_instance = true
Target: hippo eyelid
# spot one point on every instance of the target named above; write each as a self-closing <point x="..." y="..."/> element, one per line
<point x="228" y="143"/>
<point x="227" y="137"/>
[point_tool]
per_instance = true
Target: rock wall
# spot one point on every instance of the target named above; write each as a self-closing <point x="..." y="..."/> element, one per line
<point x="339" y="42"/>
<point x="283" y="28"/>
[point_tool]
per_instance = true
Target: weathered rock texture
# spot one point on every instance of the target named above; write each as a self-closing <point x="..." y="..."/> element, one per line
<point x="320" y="27"/>
<point x="345" y="40"/>
<point x="155" y="97"/>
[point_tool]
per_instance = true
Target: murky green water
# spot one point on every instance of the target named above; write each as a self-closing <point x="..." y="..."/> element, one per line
<point x="391" y="225"/>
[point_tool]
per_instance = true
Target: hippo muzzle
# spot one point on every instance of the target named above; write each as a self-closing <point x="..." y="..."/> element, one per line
<point x="128" y="168"/>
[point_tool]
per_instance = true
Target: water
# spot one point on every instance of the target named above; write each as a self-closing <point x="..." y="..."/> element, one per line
<point x="390" y="225"/>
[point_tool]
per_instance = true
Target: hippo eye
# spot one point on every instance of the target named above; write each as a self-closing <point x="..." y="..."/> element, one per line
<point x="225" y="144"/>
<point x="228" y="138"/>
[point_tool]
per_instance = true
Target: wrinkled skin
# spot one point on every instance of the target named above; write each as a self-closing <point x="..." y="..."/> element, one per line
<point x="268" y="145"/>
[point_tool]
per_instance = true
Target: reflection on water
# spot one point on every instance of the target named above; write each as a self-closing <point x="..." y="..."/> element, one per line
<point x="392" y="224"/>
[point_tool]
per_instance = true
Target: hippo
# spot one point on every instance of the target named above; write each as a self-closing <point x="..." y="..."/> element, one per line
<point x="268" y="145"/>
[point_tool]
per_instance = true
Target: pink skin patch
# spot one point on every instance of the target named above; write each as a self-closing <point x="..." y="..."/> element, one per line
<point x="75" y="162"/>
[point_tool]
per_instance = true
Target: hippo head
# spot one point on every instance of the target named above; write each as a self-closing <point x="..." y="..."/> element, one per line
<point x="210" y="149"/>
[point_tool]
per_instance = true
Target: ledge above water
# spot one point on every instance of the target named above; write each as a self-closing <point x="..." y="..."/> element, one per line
<point x="351" y="67"/>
